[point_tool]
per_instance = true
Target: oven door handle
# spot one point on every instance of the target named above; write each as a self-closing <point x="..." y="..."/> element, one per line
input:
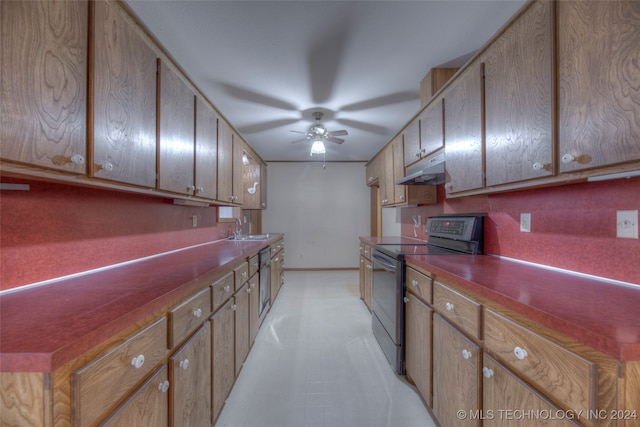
<point x="384" y="263"/>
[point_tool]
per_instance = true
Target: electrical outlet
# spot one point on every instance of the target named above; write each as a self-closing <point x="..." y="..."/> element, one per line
<point x="525" y="222"/>
<point x="627" y="224"/>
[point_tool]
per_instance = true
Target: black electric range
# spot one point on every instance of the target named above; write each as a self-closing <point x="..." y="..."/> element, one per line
<point x="448" y="235"/>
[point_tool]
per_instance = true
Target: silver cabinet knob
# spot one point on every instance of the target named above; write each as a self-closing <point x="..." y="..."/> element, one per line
<point x="163" y="387"/>
<point x="77" y="159"/>
<point x="449" y="306"/>
<point x="487" y="372"/>
<point x="138" y="361"/>
<point x="197" y="313"/>
<point x="226" y="288"/>
<point x="406" y="300"/>
<point x="520" y="353"/>
<point x="466" y="354"/>
<point x="568" y="158"/>
<point x="184" y="364"/>
<point x="414" y="283"/>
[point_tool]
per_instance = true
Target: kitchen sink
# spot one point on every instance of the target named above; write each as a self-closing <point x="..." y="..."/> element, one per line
<point x="251" y="237"/>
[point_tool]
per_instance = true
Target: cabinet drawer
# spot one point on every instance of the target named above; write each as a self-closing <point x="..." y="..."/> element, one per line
<point x="254" y="265"/>
<point x="458" y="309"/>
<point x="563" y="375"/>
<point x="185" y="318"/>
<point x="419" y="284"/>
<point x="104" y="381"/>
<point x="222" y="290"/>
<point x="241" y="274"/>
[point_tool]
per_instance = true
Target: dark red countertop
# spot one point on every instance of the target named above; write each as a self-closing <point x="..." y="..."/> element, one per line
<point x="44" y="327"/>
<point x="600" y="314"/>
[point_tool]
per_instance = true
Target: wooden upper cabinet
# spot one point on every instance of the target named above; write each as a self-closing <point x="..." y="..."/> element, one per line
<point x="225" y="162"/>
<point x="124" y="99"/>
<point x="432" y="128"/>
<point x="373" y="168"/>
<point x="412" y="142"/>
<point x="463" y="105"/>
<point x="386" y="177"/>
<point x="399" y="191"/>
<point x="176" y="146"/>
<point x="44" y="74"/>
<point x="237" y="185"/>
<point x="599" y="93"/>
<point x="519" y="99"/>
<point x="206" y="150"/>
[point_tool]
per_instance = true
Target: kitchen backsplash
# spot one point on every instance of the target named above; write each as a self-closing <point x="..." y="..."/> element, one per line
<point x="54" y="230"/>
<point x="573" y="227"/>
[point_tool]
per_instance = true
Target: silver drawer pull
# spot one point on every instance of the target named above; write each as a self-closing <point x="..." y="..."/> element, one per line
<point x="197" y="313"/>
<point x="448" y="306"/>
<point x="163" y="387"/>
<point x="406" y="300"/>
<point x="414" y="283"/>
<point x="520" y="353"/>
<point x="138" y="361"/>
<point x="184" y="364"/>
<point x="466" y="354"/>
<point x="227" y="288"/>
<point x="487" y="372"/>
<point x="234" y="307"/>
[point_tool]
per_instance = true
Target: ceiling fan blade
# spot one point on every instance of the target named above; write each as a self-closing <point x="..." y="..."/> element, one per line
<point x="335" y="140"/>
<point x="297" y="131"/>
<point x="299" y="140"/>
<point x="338" y="133"/>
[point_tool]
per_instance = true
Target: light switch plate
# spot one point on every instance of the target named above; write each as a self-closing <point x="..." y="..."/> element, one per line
<point x="627" y="224"/>
<point x="525" y="222"/>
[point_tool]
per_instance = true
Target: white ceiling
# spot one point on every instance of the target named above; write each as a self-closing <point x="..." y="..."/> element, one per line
<point x="268" y="65"/>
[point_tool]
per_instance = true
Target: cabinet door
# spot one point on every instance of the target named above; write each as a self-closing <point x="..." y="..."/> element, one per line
<point x="411" y="142"/>
<point x="418" y="344"/>
<point x="361" y="276"/>
<point x="456" y="368"/>
<point x="254" y="308"/>
<point x="599" y="94"/>
<point x="225" y="162"/>
<point x="503" y="391"/>
<point x="519" y="99"/>
<point x="386" y="177"/>
<point x="432" y="128"/>
<point x="223" y="348"/>
<point x="176" y="139"/>
<point x="399" y="191"/>
<point x="206" y="151"/>
<point x="124" y="100"/>
<point x="263" y="184"/>
<point x="463" y="105"/>
<point x="44" y="74"/>
<point x="368" y="278"/>
<point x="241" y="301"/>
<point x="190" y="391"/>
<point x="237" y="185"/>
<point x="146" y="407"/>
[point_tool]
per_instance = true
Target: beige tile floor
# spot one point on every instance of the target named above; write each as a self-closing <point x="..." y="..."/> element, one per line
<point x="315" y="362"/>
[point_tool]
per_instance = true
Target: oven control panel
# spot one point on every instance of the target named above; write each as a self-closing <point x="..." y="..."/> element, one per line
<point x="455" y="227"/>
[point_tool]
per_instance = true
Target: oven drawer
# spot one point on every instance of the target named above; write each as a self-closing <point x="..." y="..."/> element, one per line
<point x="458" y="309"/>
<point x="564" y="375"/>
<point x="420" y="285"/>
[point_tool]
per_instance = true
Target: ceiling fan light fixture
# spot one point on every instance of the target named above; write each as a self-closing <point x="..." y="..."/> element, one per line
<point x="318" y="147"/>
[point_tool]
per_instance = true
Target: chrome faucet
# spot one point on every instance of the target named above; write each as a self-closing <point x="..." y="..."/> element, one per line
<point x="238" y="232"/>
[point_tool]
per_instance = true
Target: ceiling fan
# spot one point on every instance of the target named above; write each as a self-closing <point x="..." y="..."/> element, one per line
<point x="320" y="134"/>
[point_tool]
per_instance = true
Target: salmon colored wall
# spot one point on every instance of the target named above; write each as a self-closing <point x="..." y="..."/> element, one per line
<point x="572" y="226"/>
<point x="55" y="230"/>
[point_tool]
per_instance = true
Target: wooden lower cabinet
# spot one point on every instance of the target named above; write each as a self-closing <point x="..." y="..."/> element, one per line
<point x="418" y="318"/>
<point x="510" y="402"/>
<point x="254" y="307"/>
<point x="190" y="371"/>
<point x="223" y="351"/>
<point x="148" y="406"/>
<point x="456" y="376"/>
<point x="241" y="301"/>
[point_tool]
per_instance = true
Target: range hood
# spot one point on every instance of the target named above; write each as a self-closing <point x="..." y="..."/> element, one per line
<point x="426" y="172"/>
